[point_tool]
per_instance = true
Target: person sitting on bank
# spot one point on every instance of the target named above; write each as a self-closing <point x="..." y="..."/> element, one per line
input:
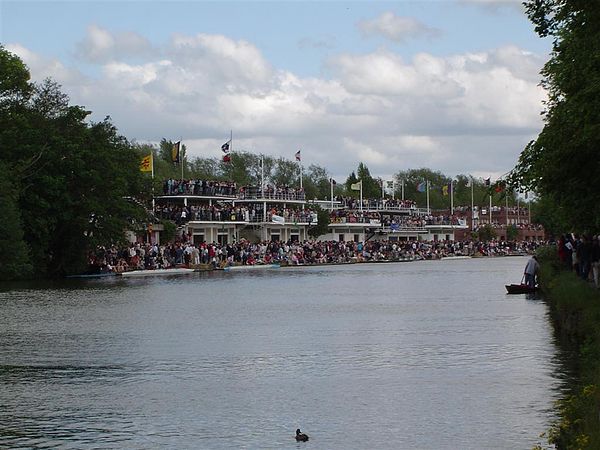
<point x="531" y="269"/>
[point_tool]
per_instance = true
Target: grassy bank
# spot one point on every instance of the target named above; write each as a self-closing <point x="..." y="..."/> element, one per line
<point x="575" y="311"/>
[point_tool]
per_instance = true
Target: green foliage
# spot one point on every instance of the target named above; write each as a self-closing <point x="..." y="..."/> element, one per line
<point x="575" y="310"/>
<point x="168" y="234"/>
<point x="322" y="226"/>
<point x="316" y="183"/>
<point x="511" y="233"/>
<point x="15" y="263"/>
<point x="70" y="178"/>
<point x="352" y="179"/>
<point x="14" y="81"/>
<point x="486" y="233"/>
<point x="561" y="165"/>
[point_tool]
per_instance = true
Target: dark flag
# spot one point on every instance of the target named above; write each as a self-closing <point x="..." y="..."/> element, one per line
<point x="175" y="152"/>
<point x="487" y="182"/>
<point x="225" y="147"/>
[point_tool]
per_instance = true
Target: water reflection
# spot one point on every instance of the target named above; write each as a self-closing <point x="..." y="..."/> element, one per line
<point x="431" y="353"/>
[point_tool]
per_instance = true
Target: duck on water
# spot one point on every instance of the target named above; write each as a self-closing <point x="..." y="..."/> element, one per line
<point x="301" y="437"/>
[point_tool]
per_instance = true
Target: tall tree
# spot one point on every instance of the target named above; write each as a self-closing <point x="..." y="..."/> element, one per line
<point x="562" y="164"/>
<point x="71" y="179"/>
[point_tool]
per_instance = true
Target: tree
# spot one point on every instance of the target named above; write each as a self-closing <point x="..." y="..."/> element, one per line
<point x="349" y="182"/>
<point x="316" y="183"/>
<point x="285" y="172"/>
<point x="322" y="226"/>
<point x="486" y="233"/>
<point x="561" y="165"/>
<point x="70" y="179"/>
<point x="371" y="187"/>
<point x="14" y="253"/>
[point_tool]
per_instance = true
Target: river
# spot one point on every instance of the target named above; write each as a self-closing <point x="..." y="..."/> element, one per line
<point x="415" y="355"/>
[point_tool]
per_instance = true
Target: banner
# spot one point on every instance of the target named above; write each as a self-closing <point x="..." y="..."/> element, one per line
<point x="146" y="163"/>
<point x="175" y="152"/>
<point x="277" y="219"/>
<point x="356" y="186"/>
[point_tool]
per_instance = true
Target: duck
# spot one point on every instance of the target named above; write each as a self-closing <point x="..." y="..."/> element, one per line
<point x="301" y="437"/>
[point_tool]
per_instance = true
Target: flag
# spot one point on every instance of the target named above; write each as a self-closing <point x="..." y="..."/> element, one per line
<point x="499" y="186"/>
<point x="175" y="152"/>
<point x="445" y="190"/>
<point x="421" y="187"/>
<point x="225" y="146"/>
<point x="390" y="184"/>
<point x="525" y="195"/>
<point x="468" y="183"/>
<point x="298" y="156"/>
<point x="487" y="181"/>
<point x="226" y="158"/>
<point x="332" y="181"/>
<point x="146" y="163"/>
<point x="356" y="186"/>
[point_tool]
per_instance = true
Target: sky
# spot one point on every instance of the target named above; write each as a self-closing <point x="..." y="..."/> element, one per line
<point x="451" y="85"/>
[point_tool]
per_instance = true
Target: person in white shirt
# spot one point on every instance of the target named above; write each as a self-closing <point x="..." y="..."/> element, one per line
<point x="531" y="269"/>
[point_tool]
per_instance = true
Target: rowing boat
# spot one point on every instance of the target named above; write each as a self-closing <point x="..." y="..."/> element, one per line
<point x="519" y="289"/>
<point x="251" y="267"/>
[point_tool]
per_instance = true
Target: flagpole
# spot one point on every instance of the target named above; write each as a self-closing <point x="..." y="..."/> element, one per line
<point x="506" y="211"/>
<point x="428" y="210"/>
<point x="331" y="186"/>
<point x="490" y="207"/>
<point x="181" y="157"/>
<point x="361" y="201"/>
<point x="451" y="197"/>
<point x="518" y="210"/>
<point x="152" y="160"/>
<point x="262" y="176"/>
<point x="403" y="189"/>
<point x="300" y="163"/>
<point x="472" y="207"/>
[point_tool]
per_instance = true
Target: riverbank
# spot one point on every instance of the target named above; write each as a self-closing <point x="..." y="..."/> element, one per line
<point x="575" y="312"/>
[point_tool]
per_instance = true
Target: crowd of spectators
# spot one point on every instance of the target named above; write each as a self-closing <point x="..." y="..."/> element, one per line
<point x="181" y="214"/>
<point x="200" y="187"/>
<point x="582" y="254"/>
<point x="270" y="191"/>
<point x="146" y="256"/>
<point x="376" y="203"/>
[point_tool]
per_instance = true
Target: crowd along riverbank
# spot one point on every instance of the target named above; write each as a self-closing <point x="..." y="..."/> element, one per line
<point x="575" y="311"/>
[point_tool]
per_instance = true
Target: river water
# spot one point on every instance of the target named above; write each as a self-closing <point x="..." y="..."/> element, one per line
<point x="416" y="355"/>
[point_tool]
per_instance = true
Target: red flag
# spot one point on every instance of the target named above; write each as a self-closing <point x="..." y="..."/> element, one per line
<point x="226" y="158"/>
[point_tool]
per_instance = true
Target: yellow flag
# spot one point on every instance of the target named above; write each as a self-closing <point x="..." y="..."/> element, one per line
<point x="356" y="186"/>
<point x="146" y="163"/>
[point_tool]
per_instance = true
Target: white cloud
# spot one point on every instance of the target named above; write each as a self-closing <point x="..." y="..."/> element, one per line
<point x="396" y="28"/>
<point x="495" y="6"/>
<point x="470" y="112"/>
<point x="100" y="45"/>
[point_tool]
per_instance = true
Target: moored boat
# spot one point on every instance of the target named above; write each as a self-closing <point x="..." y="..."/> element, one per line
<point x="519" y="289"/>
<point x="252" y="267"/>
<point x="156" y="272"/>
